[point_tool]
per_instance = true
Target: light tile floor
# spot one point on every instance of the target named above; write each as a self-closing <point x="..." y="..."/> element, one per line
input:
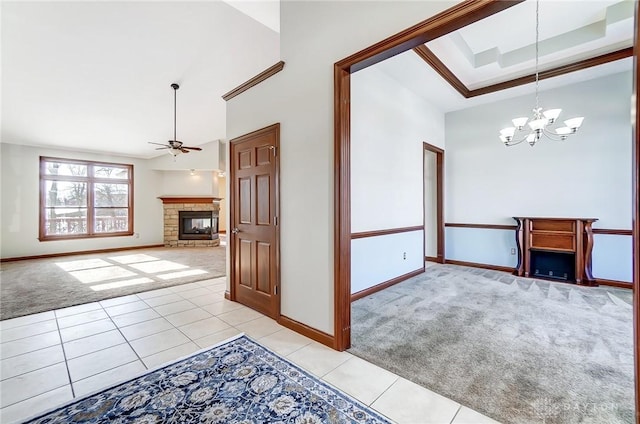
<point x="50" y="358"/>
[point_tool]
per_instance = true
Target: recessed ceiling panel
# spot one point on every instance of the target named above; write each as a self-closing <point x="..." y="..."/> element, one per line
<point x="502" y="46"/>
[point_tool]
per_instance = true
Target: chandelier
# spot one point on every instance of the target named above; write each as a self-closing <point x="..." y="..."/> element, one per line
<point x="540" y="123"/>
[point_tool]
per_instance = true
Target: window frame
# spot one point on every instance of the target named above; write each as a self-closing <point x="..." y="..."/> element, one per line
<point x="91" y="181"/>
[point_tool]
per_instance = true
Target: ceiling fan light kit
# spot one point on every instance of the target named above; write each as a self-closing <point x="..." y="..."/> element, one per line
<point x="540" y="123"/>
<point x="175" y="146"/>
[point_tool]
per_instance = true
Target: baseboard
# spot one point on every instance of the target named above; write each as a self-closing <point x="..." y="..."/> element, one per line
<point x="305" y="330"/>
<point x="386" y="284"/>
<point x="436" y="259"/>
<point x="227" y="295"/>
<point x="477" y="265"/>
<point x="614" y="283"/>
<point x="80" y="252"/>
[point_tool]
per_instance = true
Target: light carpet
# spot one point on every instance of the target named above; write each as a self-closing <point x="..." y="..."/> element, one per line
<point x="518" y="350"/>
<point x="238" y="382"/>
<point x="38" y="285"/>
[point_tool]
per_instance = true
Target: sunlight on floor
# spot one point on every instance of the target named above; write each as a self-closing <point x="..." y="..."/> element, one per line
<point x="116" y="271"/>
<point x="123" y="283"/>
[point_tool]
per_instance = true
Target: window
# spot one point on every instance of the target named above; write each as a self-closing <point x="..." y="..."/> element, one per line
<point x="80" y="199"/>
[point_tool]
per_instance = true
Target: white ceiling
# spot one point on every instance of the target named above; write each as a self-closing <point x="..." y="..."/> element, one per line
<point x="502" y="46"/>
<point x="414" y="73"/>
<point x="95" y="76"/>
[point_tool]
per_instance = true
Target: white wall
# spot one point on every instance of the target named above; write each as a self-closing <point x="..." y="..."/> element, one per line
<point x="389" y="123"/>
<point x="314" y="35"/>
<point x="20" y="182"/>
<point x="181" y="182"/>
<point x="588" y="175"/>
<point x="378" y="259"/>
<point x="222" y="193"/>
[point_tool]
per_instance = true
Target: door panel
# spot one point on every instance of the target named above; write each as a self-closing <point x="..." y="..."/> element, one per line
<point x="263" y="195"/>
<point x="244" y="262"/>
<point x="244" y="159"/>
<point x="244" y="201"/>
<point x="254" y="238"/>
<point x="264" y="154"/>
<point x="263" y="260"/>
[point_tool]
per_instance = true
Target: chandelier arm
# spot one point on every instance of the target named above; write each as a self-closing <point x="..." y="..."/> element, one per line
<point x="553" y="136"/>
<point x="541" y="120"/>
<point x="515" y="142"/>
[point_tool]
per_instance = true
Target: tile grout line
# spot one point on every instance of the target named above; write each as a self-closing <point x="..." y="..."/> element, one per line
<point x="385" y="390"/>
<point x="456" y="414"/>
<point x="128" y="343"/>
<point x="64" y="355"/>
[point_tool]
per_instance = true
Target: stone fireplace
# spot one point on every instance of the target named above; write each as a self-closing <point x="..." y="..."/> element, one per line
<point x="191" y="221"/>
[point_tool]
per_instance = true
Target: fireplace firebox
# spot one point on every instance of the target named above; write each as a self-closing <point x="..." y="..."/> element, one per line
<point x="197" y="225"/>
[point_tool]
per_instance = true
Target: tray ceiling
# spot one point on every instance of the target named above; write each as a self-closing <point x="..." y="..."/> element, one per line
<point x="502" y="46"/>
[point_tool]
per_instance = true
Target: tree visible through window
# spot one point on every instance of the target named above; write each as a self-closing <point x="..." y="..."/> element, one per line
<point x="85" y="199"/>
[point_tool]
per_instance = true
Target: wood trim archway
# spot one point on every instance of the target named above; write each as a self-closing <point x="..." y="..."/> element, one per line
<point x="449" y="20"/>
<point x="439" y="199"/>
<point x="636" y="210"/>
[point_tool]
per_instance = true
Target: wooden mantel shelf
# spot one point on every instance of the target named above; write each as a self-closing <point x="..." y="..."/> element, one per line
<point x="189" y="199"/>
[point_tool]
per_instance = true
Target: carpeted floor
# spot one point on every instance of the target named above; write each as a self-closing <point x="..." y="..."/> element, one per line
<point x="518" y="350"/>
<point x="39" y="285"/>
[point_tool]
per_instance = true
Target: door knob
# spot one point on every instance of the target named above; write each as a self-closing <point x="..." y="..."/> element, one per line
<point x="235" y="230"/>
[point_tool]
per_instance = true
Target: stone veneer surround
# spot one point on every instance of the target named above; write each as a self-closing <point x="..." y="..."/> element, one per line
<point x="174" y="204"/>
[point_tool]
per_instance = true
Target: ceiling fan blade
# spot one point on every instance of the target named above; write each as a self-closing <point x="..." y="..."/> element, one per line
<point x="191" y="148"/>
<point x="163" y="148"/>
<point x="183" y="150"/>
<point x="159" y="144"/>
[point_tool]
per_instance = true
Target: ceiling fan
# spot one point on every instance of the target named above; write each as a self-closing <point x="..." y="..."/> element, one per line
<point x="175" y="147"/>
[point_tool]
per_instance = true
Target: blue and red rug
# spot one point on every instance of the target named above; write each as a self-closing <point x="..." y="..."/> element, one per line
<point x="238" y="381"/>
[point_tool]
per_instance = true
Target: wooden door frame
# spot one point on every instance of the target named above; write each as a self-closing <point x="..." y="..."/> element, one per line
<point x="439" y="199"/>
<point x="447" y="21"/>
<point x="232" y="197"/>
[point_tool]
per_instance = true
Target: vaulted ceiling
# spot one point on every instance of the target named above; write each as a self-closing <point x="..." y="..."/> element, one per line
<point x="96" y="76"/>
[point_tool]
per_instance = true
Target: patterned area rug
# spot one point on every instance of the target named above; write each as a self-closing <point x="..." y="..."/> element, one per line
<point x="238" y="381"/>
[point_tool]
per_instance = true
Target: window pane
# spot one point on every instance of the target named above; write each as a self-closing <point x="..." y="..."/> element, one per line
<point x="100" y="171"/>
<point x="65" y="193"/>
<point x="67" y="169"/>
<point x="62" y="221"/>
<point x="111" y="195"/>
<point x="111" y="220"/>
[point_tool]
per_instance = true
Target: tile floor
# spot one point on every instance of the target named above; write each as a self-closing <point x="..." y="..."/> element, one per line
<point x="52" y="357"/>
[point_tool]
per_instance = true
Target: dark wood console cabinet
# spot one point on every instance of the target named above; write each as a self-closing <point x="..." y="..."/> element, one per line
<point x="548" y="244"/>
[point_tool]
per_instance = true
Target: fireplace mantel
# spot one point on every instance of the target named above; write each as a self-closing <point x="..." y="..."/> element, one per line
<point x="550" y="239"/>
<point x="173" y="206"/>
<point x="189" y="199"/>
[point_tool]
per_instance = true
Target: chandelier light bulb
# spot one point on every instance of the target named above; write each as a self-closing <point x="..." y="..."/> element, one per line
<point x="552" y="114"/>
<point x="508" y="132"/>
<point x="538" y="124"/>
<point x="574" y="123"/>
<point x="540" y="121"/>
<point x="519" y="123"/>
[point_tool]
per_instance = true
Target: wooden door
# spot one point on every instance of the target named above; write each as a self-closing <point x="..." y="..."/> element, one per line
<point x="254" y="231"/>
